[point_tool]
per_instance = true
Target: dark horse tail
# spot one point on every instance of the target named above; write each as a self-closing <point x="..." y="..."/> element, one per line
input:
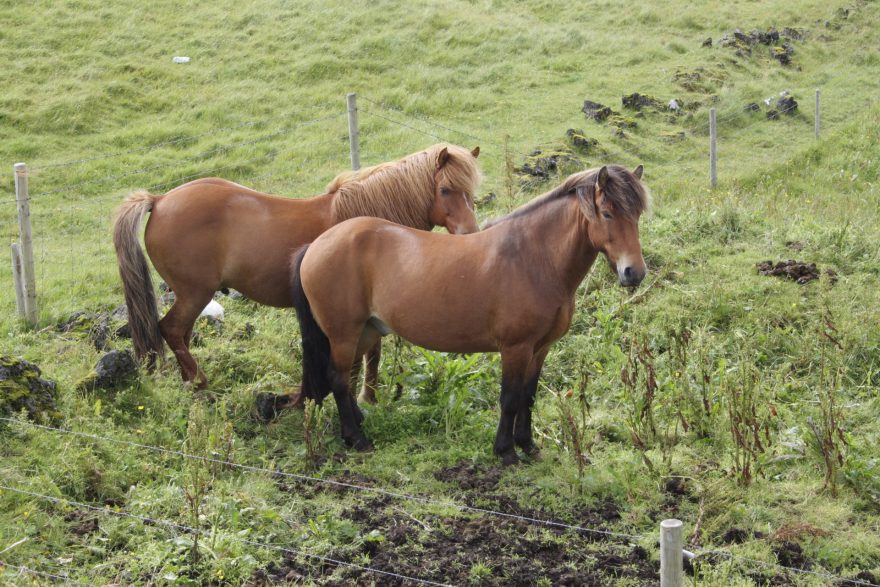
<point x="315" y="344"/>
<point x="143" y="314"/>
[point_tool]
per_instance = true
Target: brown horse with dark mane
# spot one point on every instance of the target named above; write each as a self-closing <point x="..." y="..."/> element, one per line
<point x="509" y="288"/>
<point x="211" y="234"/>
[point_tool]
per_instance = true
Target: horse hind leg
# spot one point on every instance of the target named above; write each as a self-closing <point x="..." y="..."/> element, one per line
<point x="176" y="328"/>
<point x="350" y="416"/>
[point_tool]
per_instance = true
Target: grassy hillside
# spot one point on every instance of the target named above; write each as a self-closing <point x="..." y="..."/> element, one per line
<point x="760" y="433"/>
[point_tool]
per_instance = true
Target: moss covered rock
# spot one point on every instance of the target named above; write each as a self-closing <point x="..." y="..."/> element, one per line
<point x="22" y="388"/>
<point x="114" y="370"/>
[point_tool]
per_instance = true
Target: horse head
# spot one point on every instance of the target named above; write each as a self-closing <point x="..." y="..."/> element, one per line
<point x="455" y="180"/>
<point x="612" y="206"/>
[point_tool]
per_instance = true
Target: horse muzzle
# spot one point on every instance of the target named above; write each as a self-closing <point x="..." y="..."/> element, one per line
<point x="630" y="276"/>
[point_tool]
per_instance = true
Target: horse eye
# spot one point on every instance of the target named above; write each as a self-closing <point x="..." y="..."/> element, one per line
<point x="606" y="215"/>
<point x="445" y="191"/>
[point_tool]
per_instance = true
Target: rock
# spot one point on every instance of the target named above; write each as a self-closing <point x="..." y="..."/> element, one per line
<point x="752" y="107"/>
<point x="22" y="388"/>
<point x="773" y="115"/>
<point x="120" y="313"/>
<point x="782" y="54"/>
<point x="577" y="138"/>
<point x="213" y="310"/>
<point x="786" y="105"/>
<point x="538" y="166"/>
<point x="114" y="370"/>
<point x="637" y="101"/>
<point x="95" y="327"/>
<point x="234" y="294"/>
<point x="673" y="105"/>
<point x="793" y="34"/>
<point x="596" y="111"/>
<point x="247" y="332"/>
<point x="707" y="42"/>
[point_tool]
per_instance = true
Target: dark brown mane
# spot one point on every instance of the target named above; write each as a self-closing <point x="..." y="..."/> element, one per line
<point x="625" y="191"/>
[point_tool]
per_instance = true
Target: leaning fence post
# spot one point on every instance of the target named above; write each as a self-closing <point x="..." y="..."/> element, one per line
<point x="22" y="201"/>
<point x="671" y="554"/>
<point x="17" y="280"/>
<point x="353" y="132"/>
<point x="713" y="149"/>
<point x="817" y="113"/>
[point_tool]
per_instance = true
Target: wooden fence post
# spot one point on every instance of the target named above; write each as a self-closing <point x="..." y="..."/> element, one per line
<point x="817" y="113"/>
<point x="713" y="149"/>
<point x="17" y="281"/>
<point x="671" y="554"/>
<point x="353" y="132"/>
<point x="22" y="200"/>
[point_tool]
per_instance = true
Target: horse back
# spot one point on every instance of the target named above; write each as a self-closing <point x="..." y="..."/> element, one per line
<point x="221" y="234"/>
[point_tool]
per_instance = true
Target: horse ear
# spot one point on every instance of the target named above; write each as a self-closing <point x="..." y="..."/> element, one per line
<point x="638" y="171"/>
<point x="586" y="203"/>
<point x="476" y="152"/>
<point x="602" y="177"/>
<point x="442" y="158"/>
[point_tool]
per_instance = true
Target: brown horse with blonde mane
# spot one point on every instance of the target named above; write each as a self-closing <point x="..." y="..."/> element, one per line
<point x="210" y="234"/>
<point x="509" y="288"/>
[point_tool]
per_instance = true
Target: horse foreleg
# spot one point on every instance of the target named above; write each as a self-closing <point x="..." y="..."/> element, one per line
<point x="176" y="327"/>
<point x="514" y="365"/>
<point x="522" y="429"/>
<point x="371" y="374"/>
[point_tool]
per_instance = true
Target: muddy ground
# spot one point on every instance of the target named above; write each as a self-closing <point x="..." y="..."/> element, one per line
<point x="475" y="549"/>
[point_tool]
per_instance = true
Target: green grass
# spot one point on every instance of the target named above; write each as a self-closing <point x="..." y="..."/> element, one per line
<point x="83" y="80"/>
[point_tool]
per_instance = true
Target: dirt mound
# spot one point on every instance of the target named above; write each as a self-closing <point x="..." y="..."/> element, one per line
<point x="795" y="270"/>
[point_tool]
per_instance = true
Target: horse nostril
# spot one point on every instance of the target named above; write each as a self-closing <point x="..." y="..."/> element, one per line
<point x="627" y="272"/>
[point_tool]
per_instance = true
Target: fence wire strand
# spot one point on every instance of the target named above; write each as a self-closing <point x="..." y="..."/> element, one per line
<point x="30" y="571"/>
<point x="189" y="530"/>
<point x="735" y="557"/>
<point x="159" y="145"/>
<point x="176" y="162"/>
<point x="277" y="473"/>
<point x="426" y="120"/>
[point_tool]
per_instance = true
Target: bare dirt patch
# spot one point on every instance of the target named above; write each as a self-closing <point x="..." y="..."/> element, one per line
<point x="797" y="271"/>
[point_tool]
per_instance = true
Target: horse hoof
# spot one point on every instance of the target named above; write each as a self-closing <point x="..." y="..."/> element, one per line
<point x="532" y="451"/>
<point x="509" y="458"/>
<point x="361" y="444"/>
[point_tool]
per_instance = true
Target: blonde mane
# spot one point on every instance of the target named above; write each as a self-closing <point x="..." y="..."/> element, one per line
<point x="402" y="191"/>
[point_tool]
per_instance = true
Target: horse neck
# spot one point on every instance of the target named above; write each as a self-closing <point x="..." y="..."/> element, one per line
<point x="558" y="231"/>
